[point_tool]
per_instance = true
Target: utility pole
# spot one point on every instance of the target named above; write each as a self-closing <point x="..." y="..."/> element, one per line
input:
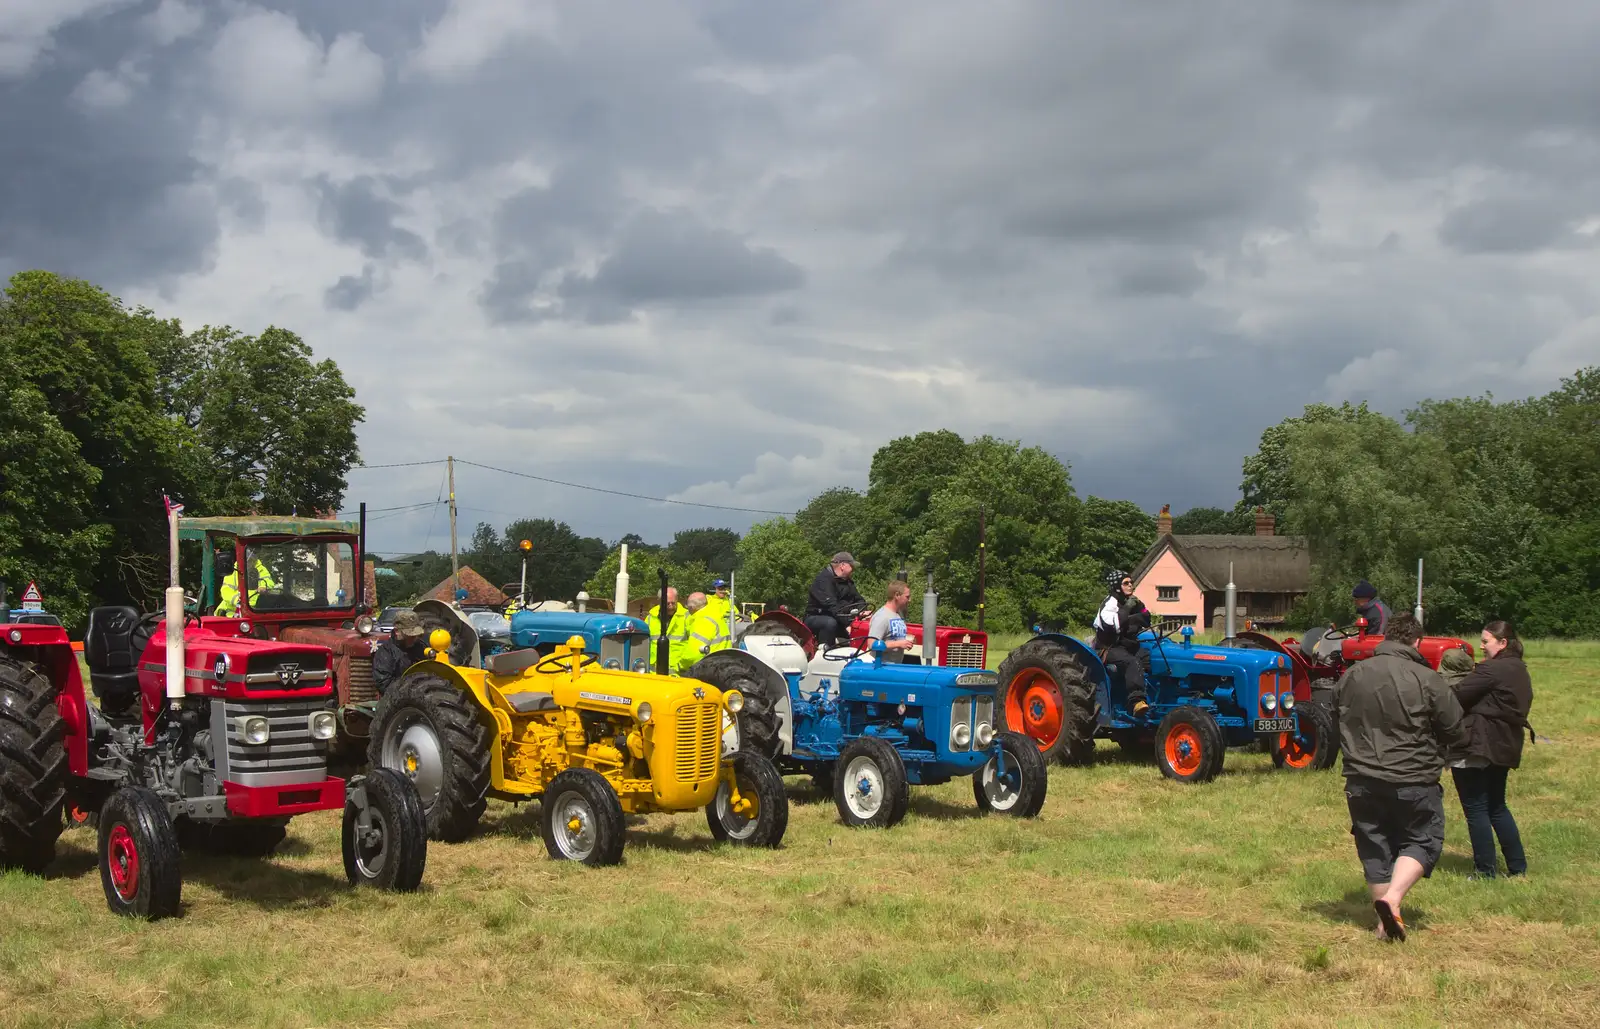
<point x="983" y="552"/>
<point x="455" y="567"/>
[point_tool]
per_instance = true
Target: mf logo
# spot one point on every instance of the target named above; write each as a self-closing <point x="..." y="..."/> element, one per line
<point x="699" y="693"/>
<point x="289" y="676"/>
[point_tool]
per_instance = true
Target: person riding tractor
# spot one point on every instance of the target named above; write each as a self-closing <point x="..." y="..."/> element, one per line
<point x="1122" y="618"/>
<point x="228" y="592"/>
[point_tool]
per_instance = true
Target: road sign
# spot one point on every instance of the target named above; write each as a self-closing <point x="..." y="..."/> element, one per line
<point x="32" y="599"/>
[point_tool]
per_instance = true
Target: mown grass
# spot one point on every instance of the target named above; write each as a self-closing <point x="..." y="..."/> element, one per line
<point x="1130" y="901"/>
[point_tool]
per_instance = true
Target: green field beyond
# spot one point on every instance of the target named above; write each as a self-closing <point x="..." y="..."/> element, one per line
<point x="1131" y="901"/>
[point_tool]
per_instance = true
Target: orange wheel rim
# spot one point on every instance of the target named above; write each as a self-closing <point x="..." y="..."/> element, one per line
<point x="1184" y="749"/>
<point x="1298" y="750"/>
<point x="1035" y="707"/>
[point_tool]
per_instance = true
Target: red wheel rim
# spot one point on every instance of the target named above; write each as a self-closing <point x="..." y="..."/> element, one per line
<point x="122" y="854"/>
<point x="1298" y="751"/>
<point x="1184" y="749"/>
<point x="76" y="815"/>
<point x="1035" y="708"/>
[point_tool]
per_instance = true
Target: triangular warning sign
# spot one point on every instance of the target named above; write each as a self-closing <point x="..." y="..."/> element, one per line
<point x="32" y="599"/>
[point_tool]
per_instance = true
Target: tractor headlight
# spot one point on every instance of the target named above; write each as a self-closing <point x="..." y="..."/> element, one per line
<point x="253" y="729"/>
<point x="962" y="735"/>
<point x="641" y="666"/>
<point x="1288" y="701"/>
<point x="15" y="635"/>
<point x="613" y="664"/>
<point x="323" y="725"/>
<point x="1269" y="702"/>
<point x="643" y="712"/>
<point x="244" y="628"/>
<point x="985" y="734"/>
<point x="364" y="624"/>
<point x="734" y="701"/>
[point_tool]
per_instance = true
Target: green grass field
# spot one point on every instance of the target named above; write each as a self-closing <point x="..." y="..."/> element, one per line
<point x="1131" y="901"/>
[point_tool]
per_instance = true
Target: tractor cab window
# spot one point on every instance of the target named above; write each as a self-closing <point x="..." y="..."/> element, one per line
<point x="300" y="575"/>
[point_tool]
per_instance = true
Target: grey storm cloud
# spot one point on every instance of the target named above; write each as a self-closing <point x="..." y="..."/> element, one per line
<point x="568" y="237"/>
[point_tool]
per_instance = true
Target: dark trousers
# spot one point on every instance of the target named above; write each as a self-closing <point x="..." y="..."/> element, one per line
<point x="825" y="628"/>
<point x="1483" y="802"/>
<point x="1128" y="663"/>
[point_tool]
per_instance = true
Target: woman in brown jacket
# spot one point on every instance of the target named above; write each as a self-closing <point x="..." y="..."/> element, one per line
<point x="1496" y="696"/>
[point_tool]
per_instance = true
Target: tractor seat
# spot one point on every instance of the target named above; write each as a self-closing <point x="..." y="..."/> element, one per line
<point x="511" y="662"/>
<point x="530" y="703"/>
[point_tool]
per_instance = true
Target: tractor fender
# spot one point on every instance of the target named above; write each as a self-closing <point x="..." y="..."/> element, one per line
<point x="473" y="682"/>
<point x="714" y="667"/>
<point x="1299" y="667"/>
<point x="1093" y="667"/>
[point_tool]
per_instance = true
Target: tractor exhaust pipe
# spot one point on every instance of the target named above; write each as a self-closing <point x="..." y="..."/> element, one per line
<point x="1418" y="611"/>
<point x="663" y="643"/>
<point x="621" y="606"/>
<point x="174" y="608"/>
<point x="1231" y="599"/>
<point x="930" y="623"/>
<point x="361" y="563"/>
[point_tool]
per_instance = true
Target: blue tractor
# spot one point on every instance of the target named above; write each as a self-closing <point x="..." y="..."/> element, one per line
<point x="1056" y="690"/>
<point x="865" y="730"/>
<point x="621" y="641"/>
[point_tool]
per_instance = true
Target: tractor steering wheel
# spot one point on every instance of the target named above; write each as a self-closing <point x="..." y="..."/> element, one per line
<point x="563" y="662"/>
<point x="851" y="649"/>
<point x="150" y="618"/>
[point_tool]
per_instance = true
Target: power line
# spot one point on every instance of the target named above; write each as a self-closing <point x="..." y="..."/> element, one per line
<point x="396" y="464"/>
<point x="620" y="493"/>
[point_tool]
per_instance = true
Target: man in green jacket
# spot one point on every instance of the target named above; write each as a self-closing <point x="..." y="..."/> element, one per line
<point x="1398" y="721"/>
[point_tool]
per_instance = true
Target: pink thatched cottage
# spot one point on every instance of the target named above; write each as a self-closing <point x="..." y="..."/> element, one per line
<point x="1181" y="579"/>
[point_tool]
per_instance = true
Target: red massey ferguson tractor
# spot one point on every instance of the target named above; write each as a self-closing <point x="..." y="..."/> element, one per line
<point x="202" y="737"/>
<point x="1323" y="655"/>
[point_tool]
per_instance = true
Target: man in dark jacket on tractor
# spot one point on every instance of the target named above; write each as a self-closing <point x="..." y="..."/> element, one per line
<point x="405" y="646"/>
<point x="1398" y="721"/>
<point x="1368" y="606"/>
<point x="1116" y="636"/>
<point x="834" y="601"/>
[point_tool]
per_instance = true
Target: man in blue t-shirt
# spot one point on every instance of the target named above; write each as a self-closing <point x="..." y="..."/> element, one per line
<point x="889" y="624"/>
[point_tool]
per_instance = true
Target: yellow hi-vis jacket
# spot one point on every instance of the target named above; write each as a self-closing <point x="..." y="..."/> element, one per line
<point x="229" y="591"/>
<point x="677" y="638"/>
<point x="708" y="634"/>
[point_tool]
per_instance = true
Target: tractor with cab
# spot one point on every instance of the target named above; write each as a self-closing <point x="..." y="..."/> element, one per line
<point x="590" y="741"/>
<point x="866" y="730"/>
<point x="203" y="736"/>
<point x="1056" y="689"/>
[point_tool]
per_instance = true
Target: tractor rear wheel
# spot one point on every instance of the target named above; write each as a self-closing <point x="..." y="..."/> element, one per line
<point x="869" y="784"/>
<point x="140" y="862"/>
<point x="1045" y="695"/>
<point x="1020" y="789"/>
<point x="758" y="720"/>
<point x="582" y="818"/>
<point x="33" y="767"/>
<point x="1189" y="745"/>
<point x="1314" y="747"/>
<point x="428" y="730"/>
<point x="761" y="786"/>
<point x="385" y="833"/>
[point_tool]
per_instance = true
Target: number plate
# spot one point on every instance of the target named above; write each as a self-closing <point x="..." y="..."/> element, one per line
<point x="1274" y="725"/>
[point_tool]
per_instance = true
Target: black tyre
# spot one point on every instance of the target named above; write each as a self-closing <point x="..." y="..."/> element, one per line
<point x="869" y="784"/>
<point x="581" y="818"/>
<point x="1045" y="695"/>
<point x="1316" y="745"/>
<point x="247" y="839"/>
<point x="385" y="832"/>
<point x="140" y="863"/>
<point x="758" y="721"/>
<point x="33" y="767"/>
<point x="759" y="785"/>
<point x="429" y="731"/>
<point x="1018" y="790"/>
<point x="1189" y="745"/>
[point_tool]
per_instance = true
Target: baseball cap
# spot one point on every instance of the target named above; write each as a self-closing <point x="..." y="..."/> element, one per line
<point x="719" y="584"/>
<point x="408" y="623"/>
<point x="844" y="557"/>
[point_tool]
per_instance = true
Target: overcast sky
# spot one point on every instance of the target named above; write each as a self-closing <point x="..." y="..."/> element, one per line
<point x="721" y="250"/>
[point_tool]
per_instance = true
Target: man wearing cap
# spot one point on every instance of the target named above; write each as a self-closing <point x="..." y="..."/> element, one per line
<point x="1368" y="606"/>
<point x="719" y="603"/>
<point x="834" y="601"/>
<point x="404" y="648"/>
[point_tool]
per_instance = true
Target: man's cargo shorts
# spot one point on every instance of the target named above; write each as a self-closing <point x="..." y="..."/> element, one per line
<point x="1392" y="820"/>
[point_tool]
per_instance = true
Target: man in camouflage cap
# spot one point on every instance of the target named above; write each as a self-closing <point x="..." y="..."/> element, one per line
<point x="404" y="647"/>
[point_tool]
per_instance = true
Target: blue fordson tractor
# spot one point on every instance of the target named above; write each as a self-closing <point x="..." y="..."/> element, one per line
<point x="866" y="730"/>
<point x="1056" y="690"/>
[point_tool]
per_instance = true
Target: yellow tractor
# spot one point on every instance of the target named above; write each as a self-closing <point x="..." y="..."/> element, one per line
<point x="589" y="742"/>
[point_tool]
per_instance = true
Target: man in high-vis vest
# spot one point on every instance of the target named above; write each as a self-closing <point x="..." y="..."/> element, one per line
<point x="707" y="634"/>
<point x="228" y="592"/>
<point x="677" y="631"/>
<point x="719" y="603"/>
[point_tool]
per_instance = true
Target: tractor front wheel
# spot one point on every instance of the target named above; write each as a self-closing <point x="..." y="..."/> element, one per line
<point x="385" y="832"/>
<point x="869" y="784"/>
<point x="1189" y="745"/>
<point x="582" y="818"/>
<point x="1314" y="746"/>
<point x="1018" y="788"/>
<point x="763" y="812"/>
<point x="33" y="767"/>
<point x="428" y="730"/>
<point x="1045" y="695"/>
<point x="140" y="862"/>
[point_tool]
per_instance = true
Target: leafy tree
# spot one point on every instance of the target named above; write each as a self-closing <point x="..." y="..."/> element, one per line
<point x="836" y="519"/>
<point x="778" y="563"/>
<point x="559" y="563"/>
<point x="717" y="549"/>
<point x="1213" y="521"/>
<point x="1117" y="533"/>
<point x="636" y="544"/>
<point x="642" y="581"/>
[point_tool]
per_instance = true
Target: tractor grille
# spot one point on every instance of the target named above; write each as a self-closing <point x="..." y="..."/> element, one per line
<point x="699" y="742"/>
<point x="964" y="655"/>
<point x="362" y="686"/>
<point x="286" y="671"/>
<point x="290" y="754"/>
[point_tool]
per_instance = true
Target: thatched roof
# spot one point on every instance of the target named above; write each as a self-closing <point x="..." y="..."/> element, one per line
<point x="1261" y="564"/>
<point x="479" y="591"/>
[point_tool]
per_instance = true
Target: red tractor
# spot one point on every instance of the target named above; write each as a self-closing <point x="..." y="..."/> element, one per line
<point x="1323" y="655"/>
<point x="956" y="647"/>
<point x="202" y="737"/>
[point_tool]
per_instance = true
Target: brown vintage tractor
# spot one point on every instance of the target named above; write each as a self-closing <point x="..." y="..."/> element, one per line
<point x="303" y="582"/>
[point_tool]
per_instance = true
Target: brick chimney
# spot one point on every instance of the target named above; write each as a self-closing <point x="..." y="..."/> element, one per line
<point x="1265" y="523"/>
<point x="1164" y="521"/>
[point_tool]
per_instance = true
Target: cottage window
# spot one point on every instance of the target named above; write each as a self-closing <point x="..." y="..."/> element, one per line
<point x="1166" y="593"/>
